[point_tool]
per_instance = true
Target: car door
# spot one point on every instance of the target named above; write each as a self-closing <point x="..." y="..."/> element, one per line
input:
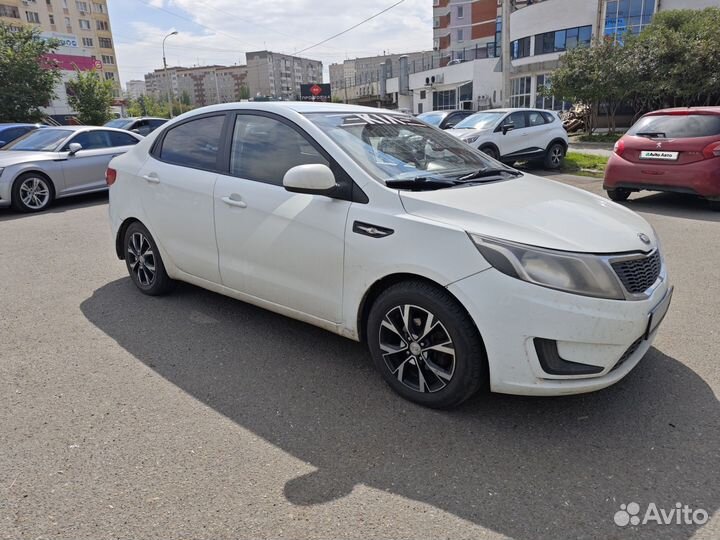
<point x="539" y="132"/>
<point x="281" y="247"/>
<point x="85" y="170"/>
<point x="177" y="181"/>
<point x="514" y="140"/>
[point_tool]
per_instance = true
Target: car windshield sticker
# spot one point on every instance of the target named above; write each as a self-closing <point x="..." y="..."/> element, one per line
<point x="363" y="119"/>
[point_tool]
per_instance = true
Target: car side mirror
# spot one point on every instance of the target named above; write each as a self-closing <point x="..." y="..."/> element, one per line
<point x="315" y="179"/>
<point x="507" y="127"/>
<point x="74" y="148"/>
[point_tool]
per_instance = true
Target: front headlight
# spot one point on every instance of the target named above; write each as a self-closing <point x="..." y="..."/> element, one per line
<point x="577" y="273"/>
<point x="471" y="139"/>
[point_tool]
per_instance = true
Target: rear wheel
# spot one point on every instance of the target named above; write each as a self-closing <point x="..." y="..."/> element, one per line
<point x="32" y="192"/>
<point x="618" y="194"/>
<point x="144" y="262"/>
<point x="554" y="156"/>
<point x="425" y="345"/>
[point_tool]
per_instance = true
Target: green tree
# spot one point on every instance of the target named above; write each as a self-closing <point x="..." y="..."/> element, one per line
<point x="28" y="78"/>
<point x="147" y="105"/>
<point x="91" y="96"/>
<point x="243" y="93"/>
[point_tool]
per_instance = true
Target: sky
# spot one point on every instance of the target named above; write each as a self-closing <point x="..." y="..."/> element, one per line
<point x="220" y="31"/>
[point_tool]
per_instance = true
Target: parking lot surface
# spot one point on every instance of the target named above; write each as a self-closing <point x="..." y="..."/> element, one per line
<point x="198" y="416"/>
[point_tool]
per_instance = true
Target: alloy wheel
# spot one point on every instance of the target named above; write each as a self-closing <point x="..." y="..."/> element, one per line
<point x="34" y="192"/>
<point x="417" y="348"/>
<point x="141" y="259"/>
<point x="556" y="155"/>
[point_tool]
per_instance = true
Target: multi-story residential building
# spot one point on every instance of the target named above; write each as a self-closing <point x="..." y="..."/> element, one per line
<point x="84" y="31"/>
<point x="279" y="75"/>
<point x="135" y="89"/>
<point x="466" y="29"/>
<point x="205" y="85"/>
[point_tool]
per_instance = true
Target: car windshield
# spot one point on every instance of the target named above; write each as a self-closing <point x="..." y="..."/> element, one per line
<point x="119" y="123"/>
<point x="396" y="147"/>
<point x="432" y="118"/>
<point x="480" y="120"/>
<point x="40" y="140"/>
<point x="674" y="126"/>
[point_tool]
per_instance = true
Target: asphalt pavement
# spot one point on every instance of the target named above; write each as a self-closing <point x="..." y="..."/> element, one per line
<point x="198" y="416"/>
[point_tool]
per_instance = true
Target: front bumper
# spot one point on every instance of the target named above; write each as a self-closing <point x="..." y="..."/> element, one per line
<point x="511" y="313"/>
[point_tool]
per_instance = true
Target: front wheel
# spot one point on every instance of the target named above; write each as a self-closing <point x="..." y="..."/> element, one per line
<point x="555" y="156"/>
<point x="144" y="262"/>
<point x="618" y="194"/>
<point x="425" y="345"/>
<point x="32" y="192"/>
<point x="491" y="151"/>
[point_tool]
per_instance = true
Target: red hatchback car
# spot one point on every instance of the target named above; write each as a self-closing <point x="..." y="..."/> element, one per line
<point x="668" y="150"/>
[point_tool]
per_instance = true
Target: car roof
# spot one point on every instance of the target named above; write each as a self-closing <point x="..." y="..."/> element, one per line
<point x="4" y="125"/>
<point x="297" y="106"/>
<point x="85" y="128"/>
<point x="685" y="110"/>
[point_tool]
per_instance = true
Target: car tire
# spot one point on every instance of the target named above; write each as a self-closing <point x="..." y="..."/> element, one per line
<point x="438" y="368"/>
<point x="554" y="156"/>
<point x="714" y="205"/>
<point x="618" y="194"/>
<point x="32" y="192"/>
<point x="491" y="151"/>
<point x="144" y="262"/>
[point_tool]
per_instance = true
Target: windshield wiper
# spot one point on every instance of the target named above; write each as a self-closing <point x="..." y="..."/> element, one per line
<point x="651" y="134"/>
<point x="486" y="173"/>
<point x="421" y="183"/>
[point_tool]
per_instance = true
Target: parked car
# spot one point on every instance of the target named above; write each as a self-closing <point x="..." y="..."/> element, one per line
<point x="444" y="119"/>
<point x="675" y="150"/>
<point x="456" y="270"/>
<point x="510" y="135"/>
<point x="142" y="126"/>
<point x="9" y="132"/>
<point x="57" y="162"/>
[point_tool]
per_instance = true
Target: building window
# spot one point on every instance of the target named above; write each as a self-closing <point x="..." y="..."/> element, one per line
<point x="107" y="59"/>
<point x="87" y="42"/>
<point x="520" y="94"/>
<point x="549" y="103"/>
<point x="67" y="23"/>
<point x="460" y="35"/>
<point x="109" y="76"/>
<point x="99" y="8"/>
<point x="103" y="25"/>
<point x="627" y="16"/>
<point x="105" y="43"/>
<point x="444" y="100"/>
<point x="82" y="7"/>
<point x="32" y="17"/>
<point x="460" y="12"/>
<point x="84" y="24"/>
<point x="423" y="94"/>
<point x="520" y="48"/>
<point x="563" y="40"/>
<point x="9" y="11"/>
<point x="52" y="18"/>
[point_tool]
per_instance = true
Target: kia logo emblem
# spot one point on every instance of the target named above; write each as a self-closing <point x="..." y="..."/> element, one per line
<point x="644" y="238"/>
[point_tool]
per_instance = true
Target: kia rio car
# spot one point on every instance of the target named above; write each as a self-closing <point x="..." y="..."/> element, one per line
<point x="675" y="150"/>
<point x="456" y="270"/>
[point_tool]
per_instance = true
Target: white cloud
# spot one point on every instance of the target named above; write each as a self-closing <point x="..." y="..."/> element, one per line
<point x="231" y="27"/>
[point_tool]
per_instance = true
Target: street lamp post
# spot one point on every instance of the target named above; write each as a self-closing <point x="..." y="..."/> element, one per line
<point x="167" y="80"/>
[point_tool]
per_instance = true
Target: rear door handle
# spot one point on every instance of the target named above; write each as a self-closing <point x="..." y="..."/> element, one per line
<point x="151" y="178"/>
<point x="234" y="200"/>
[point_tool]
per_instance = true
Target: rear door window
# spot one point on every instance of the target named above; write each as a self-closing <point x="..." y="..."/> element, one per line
<point x="536" y="118"/>
<point x="194" y="144"/>
<point x="677" y="126"/>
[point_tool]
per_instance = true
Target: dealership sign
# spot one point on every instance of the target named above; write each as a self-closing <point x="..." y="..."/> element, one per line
<point x="66" y="40"/>
<point x="315" y="92"/>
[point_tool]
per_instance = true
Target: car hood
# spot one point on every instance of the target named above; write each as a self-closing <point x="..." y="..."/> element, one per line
<point x="535" y="211"/>
<point x="465" y="133"/>
<point x="10" y="157"/>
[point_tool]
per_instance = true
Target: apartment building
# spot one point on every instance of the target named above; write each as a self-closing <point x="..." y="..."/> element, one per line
<point x="84" y="31"/>
<point x="134" y="89"/>
<point x="466" y="30"/>
<point x="204" y="85"/>
<point x="279" y="76"/>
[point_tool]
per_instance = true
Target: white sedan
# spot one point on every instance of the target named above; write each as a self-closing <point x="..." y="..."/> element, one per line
<point x="457" y="271"/>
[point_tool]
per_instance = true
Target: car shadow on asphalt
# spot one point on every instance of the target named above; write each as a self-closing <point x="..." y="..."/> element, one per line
<point x="59" y="206"/>
<point x="524" y="467"/>
<point x="673" y="205"/>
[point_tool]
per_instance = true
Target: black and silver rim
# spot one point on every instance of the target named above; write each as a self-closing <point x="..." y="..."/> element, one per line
<point x="417" y="348"/>
<point x="141" y="259"/>
<point x="34" y="192"/>
<point x="556" y="155"/>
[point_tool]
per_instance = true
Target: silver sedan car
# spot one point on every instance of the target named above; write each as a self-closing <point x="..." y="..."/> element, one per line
<point x="57" y="162"/>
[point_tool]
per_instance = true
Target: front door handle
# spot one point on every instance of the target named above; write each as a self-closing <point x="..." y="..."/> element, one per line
<point x="151" y="178"/>
<point x="234" y="200"/>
